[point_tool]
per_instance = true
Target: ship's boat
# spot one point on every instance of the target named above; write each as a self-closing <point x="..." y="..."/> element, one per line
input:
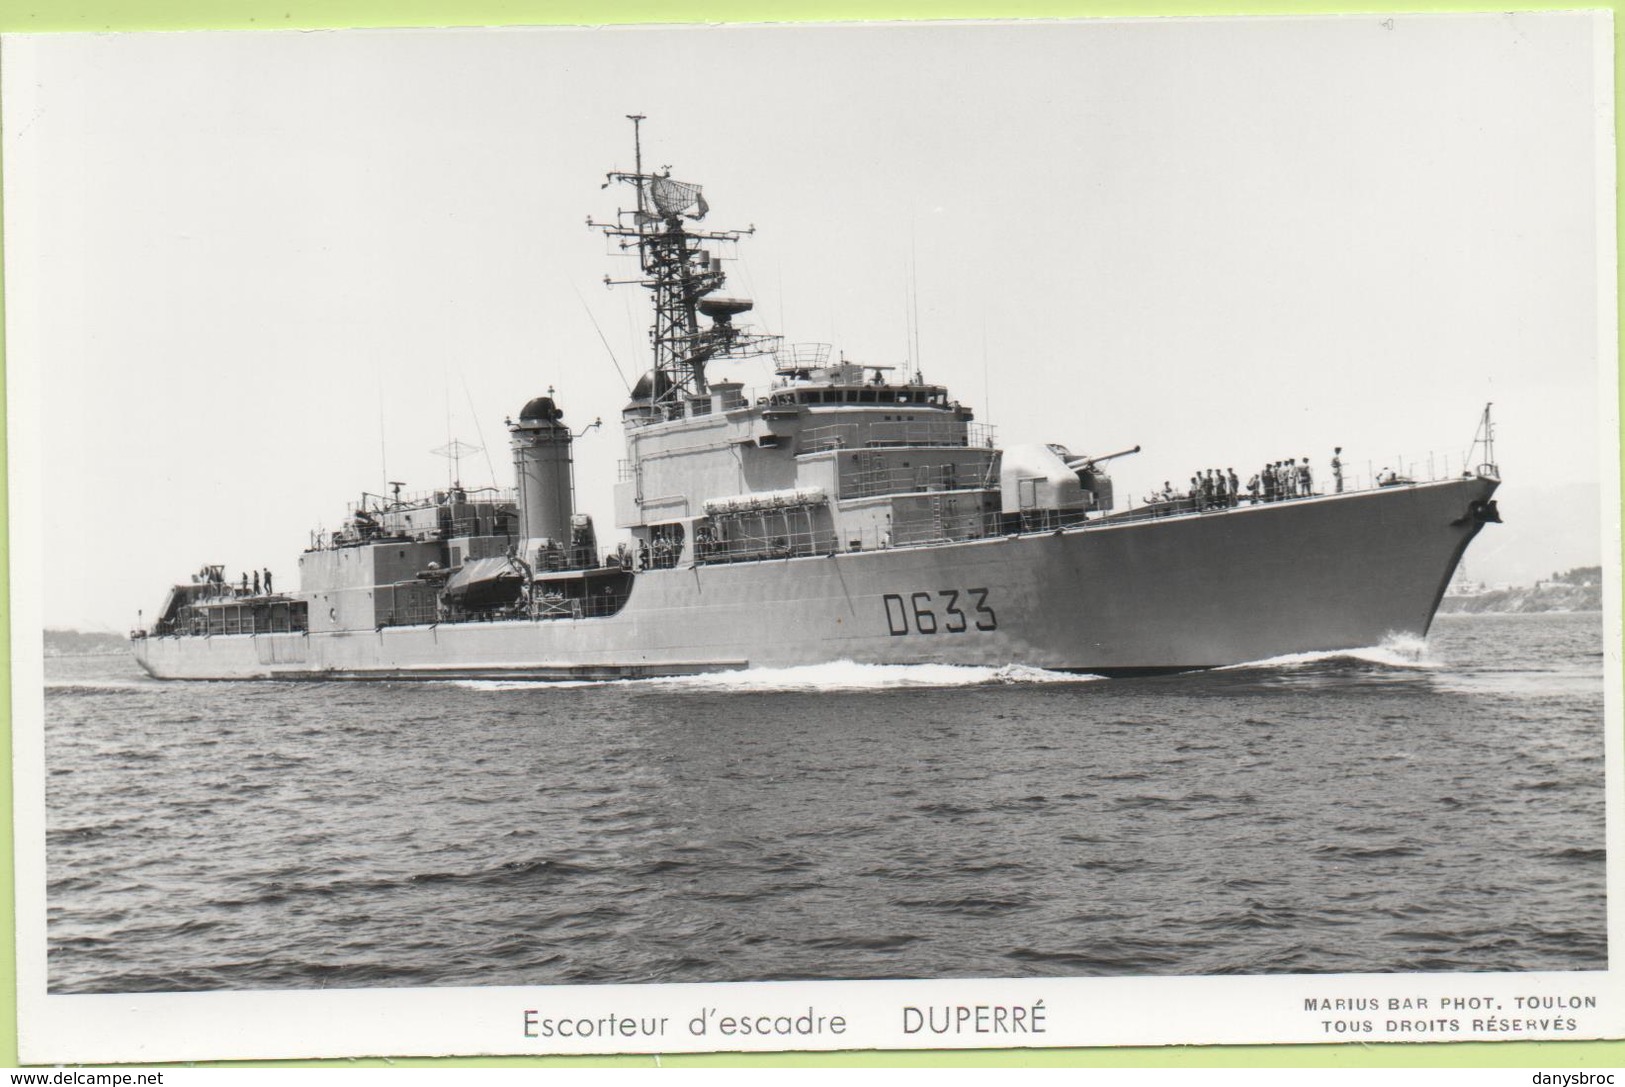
<point x="844" y="513"/>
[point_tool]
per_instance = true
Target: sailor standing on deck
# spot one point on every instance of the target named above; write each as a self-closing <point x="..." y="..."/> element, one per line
<point x="1235" y="488"/>
<point x="1306" y="478"/>
<point x="256" y="583"/>
<point x="1337" y="469"/>
<point x="267" y="581"/>
<point x="1252" y="489"/>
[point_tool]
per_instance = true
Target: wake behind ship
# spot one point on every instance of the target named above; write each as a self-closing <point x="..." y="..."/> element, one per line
<point x="844" y="513"/>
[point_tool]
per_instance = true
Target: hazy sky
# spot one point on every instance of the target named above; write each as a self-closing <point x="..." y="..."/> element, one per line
<point x="258" y="273"/>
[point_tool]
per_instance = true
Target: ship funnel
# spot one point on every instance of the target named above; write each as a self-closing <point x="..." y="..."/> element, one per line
<point x="542" y="470"/>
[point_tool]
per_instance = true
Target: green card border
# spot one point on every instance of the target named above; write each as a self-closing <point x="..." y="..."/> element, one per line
<point x="59" y="16"/>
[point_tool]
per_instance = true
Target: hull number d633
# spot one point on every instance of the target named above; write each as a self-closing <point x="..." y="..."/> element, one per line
<point x="946" y="611"/>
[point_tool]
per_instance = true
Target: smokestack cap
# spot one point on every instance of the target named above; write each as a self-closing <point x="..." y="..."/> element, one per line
<point x="541" y="409"/>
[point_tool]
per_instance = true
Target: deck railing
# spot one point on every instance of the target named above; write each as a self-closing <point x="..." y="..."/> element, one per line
<point x="280" y="616"/>
<point x="953" y="476"/>
<point x="887" y="434"/>
<point x="1357" y="475"/>
<point x="783" y="545"/>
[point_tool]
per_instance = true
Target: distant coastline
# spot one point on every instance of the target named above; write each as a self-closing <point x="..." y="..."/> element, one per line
<point x="1580" y="589"/>
<point x="78" y="643"/>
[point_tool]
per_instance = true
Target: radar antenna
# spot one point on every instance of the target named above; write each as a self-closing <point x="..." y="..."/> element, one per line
<point x="454" y="451"/>
<point x="682" y="274"/>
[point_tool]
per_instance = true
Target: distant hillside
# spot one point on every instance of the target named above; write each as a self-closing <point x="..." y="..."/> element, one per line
<point x="1579" y="589"/>
<point x="77" y="643"/>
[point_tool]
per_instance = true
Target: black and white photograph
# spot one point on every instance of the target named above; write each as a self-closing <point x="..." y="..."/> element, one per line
<point x="548" y="540"/>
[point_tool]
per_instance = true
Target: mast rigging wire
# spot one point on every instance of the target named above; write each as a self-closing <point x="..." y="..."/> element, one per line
<point x="478" y="428"/>
<point x="603" y="340"/>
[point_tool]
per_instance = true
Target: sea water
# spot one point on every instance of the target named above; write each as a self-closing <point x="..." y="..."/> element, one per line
<point x="1419" y="806"/>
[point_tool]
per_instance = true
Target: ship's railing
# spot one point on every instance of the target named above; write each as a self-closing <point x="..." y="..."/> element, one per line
<point x="504" y="525"/>
<point x="415" y="611"/>
<point x="752" y="547"/>
<point x="953" y="530"/>
<point x="489" y="524"/>
<point x="953" y="476"/>
<point x="449" y="513"/>
<point x="935" y="531"/>
<point x="606" y="601"/>
<point x="956" y="530"/>
<point x="280" y="616"/>
<point x="786" y="393"/>
<point x="1362" y="475"/>
<point x="1400" y="471"/>
<point x="880" y="435"/>
<point x="928" y="531"/>
<point x="227" y="593"/>
<point x="1369" y="472"/>
<point x="801" y="356"/>
<point x="381" y="504"/>
<point x="546" y="604"/>
<point x="786" y="542"/>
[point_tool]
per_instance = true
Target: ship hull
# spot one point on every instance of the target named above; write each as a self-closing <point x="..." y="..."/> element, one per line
<point x="1172" y="593"/>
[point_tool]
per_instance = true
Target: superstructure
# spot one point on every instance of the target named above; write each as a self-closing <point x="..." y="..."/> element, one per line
<point x="846" y="512"/>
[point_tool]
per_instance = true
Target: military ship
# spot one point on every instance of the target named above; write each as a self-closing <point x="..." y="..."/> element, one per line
<point x="846" y="512"/>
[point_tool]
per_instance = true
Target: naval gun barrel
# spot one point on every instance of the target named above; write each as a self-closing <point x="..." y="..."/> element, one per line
<point x="1077" y="463"/>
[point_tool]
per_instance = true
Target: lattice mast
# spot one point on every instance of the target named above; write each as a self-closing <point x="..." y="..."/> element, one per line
<point x="682" y="275"/>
